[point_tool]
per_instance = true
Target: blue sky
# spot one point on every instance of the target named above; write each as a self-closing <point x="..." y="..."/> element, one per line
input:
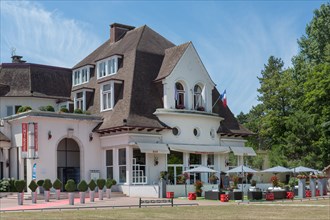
<point x="233" y="39"/>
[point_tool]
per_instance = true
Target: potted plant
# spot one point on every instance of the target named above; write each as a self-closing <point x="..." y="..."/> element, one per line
<point x="92" y="185"/>
<point x="235" y="182"/>
<point x="47" y="186"/>
<point x="198" y="188"/>
<point x="100" y="183"/>
<point x="33" y="187"/>
<point x="213" y="178"/>
<point x="274" y="181"/>
<point x="20" y="186"/>
<point x="40" y="183"/>
<point x="200" y="108"/>
<point x="57" y="186"/>
<point x="82" y="187"/>
<point x="70" y="187"/>
<point x="109" y="183"/>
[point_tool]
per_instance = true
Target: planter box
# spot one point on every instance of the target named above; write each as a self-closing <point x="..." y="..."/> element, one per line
<point x="108" y="192"/>
<point x="213" y="195"/>
<point x="82" y="197"/>
<point x="236" y="195"/>
<point x="91" y="196"/>
<point x="254" y="195"/>
<point x="47" y="195"/>
<point x="301" y="189"/>
<point x="57" y="194"/>
<point x="34" y="197"/>
<point x="71" y="198"/>
<point x="20" y="197"/>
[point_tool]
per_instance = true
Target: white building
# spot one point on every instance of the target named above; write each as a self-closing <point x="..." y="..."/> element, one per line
<point x="153" y="107"/>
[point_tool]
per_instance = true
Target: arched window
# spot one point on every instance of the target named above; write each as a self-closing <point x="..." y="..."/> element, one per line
<point x="198" y="99"/>
<point x="179" y="96"/>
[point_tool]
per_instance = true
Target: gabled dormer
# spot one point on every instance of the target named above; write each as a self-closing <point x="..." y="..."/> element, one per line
<point x="81" y="75"/>
<point x="108" y="66"/>
<point x="186" y="82"/>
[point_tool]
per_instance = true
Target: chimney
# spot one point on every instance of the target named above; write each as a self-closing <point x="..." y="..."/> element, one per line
<point x="118" y="31"/>
<point x="17" y="59"/>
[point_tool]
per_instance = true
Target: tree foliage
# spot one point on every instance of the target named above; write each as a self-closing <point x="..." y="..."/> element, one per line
<point x="292" y="120"/>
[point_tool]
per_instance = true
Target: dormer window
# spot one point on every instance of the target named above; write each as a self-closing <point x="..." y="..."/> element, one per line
<point x="198" y="98"/>
<point x="179" y="96"/>
<point x="108" y="66"/>
<point x="81" y="75"/>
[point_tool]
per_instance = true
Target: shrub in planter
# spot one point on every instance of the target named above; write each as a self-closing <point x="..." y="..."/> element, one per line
<point x="4" y="185"/>
<point x="70" y="187"/>
<point x="57" y="184"/>
<point x="12" y="187"/>
<point x="78" y="111"/>
<point x="65" y="110"/>
<point x="20" y="186"/>
<point x="33" y="187"/>
<point x="47" y="186"/>
<point x="92" y="185"/>
<point x="47" y="108"/>
<point x="82" y="187"/>
<point x="40" y="183"/>
<point x="100" y="183"/>
<point x="109" y="183"/>
<point x="23" y="109"/>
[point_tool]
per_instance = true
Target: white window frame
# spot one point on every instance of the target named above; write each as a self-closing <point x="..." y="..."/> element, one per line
<point x="81" y="99"/>
<point x="77" y="75"/>
<point x="14" y="108"/>
<point x="110" y="66"/>
<point x="108" y="92"/>
<point x="198" y="97"/>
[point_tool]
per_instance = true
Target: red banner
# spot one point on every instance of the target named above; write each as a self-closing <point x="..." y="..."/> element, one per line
<point x="36" y="147"/>
<point x="24" y="139"/>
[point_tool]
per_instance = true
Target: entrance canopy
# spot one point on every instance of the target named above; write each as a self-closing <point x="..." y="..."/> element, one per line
<point x="201" y="169"/>
<point x="199" y="148"/>
<point x="153" y="148"/>
<point x="243" y="151"/>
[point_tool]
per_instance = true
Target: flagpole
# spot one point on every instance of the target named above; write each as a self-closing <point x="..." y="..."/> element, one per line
<point x="216" y="101"/>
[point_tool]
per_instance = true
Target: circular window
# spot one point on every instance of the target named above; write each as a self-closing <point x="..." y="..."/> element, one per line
<point x="196" y="132"/>
<point x="212" y="133"/>
<point x="175" y="131"/>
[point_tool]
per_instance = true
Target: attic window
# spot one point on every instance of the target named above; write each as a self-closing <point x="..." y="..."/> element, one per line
<point x="107" y="66"/>
<point x="80" y="76"/>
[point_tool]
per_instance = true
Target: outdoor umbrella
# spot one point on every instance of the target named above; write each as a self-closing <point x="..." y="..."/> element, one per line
<point x="277" y="169"/>
<point x="241" y="169"/>
<point x="199" y="169"/>
<point x="302" y="169"/>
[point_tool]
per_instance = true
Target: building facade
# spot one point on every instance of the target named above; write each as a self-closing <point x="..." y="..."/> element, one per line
<point x="150" y="106"/>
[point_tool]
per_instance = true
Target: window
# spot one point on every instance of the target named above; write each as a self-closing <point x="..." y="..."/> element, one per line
<point x="12" y="109"/>
<point x="106" y="97"/>
<point x="122" y="165"/>
<point x="198" y="99"/>
<point x="107" y="67"/>
<point x="196" y="132"/>
<point x="212" y="133"/>
<point x="109" y="163"/>
<point x="175" y="167"/>
<point x="79" y="101"/>
<point x="179" y="96"/>
<point x="176" y="131"/>
<point x="81" y="75"/>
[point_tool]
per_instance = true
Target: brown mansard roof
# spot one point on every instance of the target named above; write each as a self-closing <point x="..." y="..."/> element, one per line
<point x="35" y="80"/>
<point x="147" y="59"/>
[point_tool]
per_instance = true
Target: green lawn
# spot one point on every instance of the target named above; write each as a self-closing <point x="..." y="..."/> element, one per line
<point x="296" y="210"/>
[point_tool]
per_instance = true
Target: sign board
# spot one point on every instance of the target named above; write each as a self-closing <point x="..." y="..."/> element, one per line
<point x="36" y="147"/>
<point x="24" y="140"/>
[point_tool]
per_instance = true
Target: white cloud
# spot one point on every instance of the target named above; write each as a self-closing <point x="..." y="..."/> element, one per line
<point x="43" y="36"/>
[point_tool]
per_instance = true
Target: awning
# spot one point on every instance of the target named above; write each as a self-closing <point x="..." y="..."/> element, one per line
<point x="199" y="148"/>
<point x="243" y="151"/>
<point x="153" y="148"/>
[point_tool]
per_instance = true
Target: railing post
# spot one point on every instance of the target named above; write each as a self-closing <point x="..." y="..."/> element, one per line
<point x="140" y="202"/>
